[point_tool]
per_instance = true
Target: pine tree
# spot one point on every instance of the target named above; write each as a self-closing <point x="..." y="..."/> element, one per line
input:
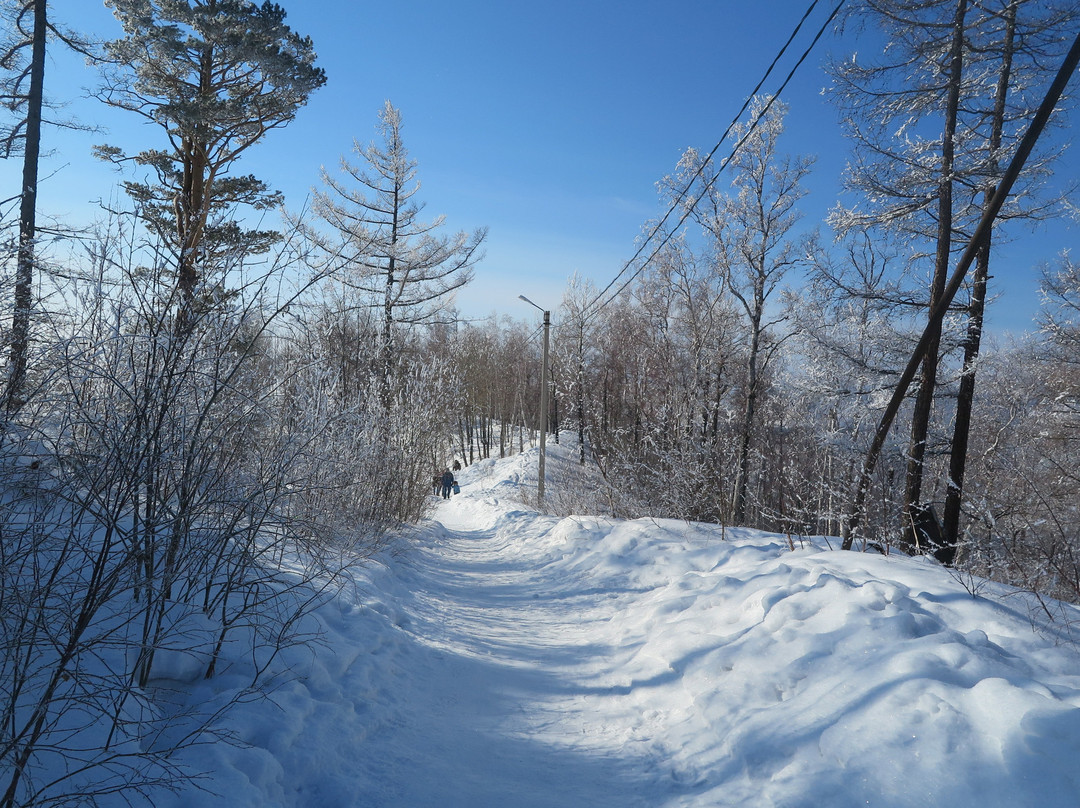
<point x="216" y="76"/>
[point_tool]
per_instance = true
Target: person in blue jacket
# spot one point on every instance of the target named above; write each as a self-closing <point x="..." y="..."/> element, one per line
<point x="447" y="483"/>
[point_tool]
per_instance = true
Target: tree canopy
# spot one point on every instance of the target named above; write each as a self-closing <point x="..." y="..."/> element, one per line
<point x="216" y="76"/>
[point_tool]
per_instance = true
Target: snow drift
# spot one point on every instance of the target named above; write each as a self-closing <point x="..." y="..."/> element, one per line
<point x="503" y="658"/>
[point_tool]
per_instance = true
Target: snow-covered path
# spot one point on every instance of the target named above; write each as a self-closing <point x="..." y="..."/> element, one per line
<point x="501" y="665"/>
<point x="503" y="659"/>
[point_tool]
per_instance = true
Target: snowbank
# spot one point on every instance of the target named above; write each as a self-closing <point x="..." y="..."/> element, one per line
<point x="504" y="658"/>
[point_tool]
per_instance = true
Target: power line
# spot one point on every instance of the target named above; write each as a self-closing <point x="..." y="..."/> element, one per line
<point x="589" y="310"/>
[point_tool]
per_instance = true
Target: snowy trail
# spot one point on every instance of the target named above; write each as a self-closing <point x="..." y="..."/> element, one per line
<point x="501" y="669"/>
<point x="498" y="658"/>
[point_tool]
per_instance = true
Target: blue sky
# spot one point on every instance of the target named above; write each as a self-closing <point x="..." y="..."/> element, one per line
<point x="548" y="123"/>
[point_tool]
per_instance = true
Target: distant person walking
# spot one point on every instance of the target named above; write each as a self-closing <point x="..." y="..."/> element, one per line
<point x="436" y="484"/>
<point x="447" y="483"/>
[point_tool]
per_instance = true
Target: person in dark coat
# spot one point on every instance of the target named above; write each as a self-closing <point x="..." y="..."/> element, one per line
<point x="436" y="484"/>
<point x="447" y="483"/>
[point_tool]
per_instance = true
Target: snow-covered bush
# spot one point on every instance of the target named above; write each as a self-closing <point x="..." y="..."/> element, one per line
<point x="179" y="484"/>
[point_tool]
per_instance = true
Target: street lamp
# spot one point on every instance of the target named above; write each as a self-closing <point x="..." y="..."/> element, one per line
<point x="543" y="400"/>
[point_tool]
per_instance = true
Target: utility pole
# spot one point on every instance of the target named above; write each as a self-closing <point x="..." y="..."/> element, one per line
<point x="543" y="410"/>
<point x="543" y="400"/>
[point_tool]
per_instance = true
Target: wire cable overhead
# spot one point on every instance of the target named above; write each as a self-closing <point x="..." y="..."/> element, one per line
<point x="597" y="303"/>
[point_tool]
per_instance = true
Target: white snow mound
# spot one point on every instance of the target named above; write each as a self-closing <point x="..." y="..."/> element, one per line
<point x="508" y="659"/>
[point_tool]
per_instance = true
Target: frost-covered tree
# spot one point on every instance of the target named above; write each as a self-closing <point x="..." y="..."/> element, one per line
<point x="380" y="245"/>
<point x="932" y="115"/>
<point x="1011" y="43"/>
<point x="931" y="46"/>
<point x="851" y="319"/>
<point x="750" y="231"/>
<point x="1060" y="322"/>
<point x="150" y="497"/>
<point x="697" y="335"/>
<point x="655" y="386"/>
<point x="216" y="76"/>
<point x="1022" y="486"/>
<point x="575" y="338"/>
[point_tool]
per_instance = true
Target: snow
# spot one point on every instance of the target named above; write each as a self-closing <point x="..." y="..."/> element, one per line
<point x="500" y="657"/>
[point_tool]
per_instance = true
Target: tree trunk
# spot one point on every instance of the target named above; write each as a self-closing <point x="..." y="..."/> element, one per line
<point x="749" y="413"/>
<point x="581" y="398"/>
<point x="924" y="401"/>
<point x="386" y="362"/>
<point x="191" y="214"/>
<point x="973" y="342"/>
<point x="554" y="414"/>
<point x="24" y="278"/>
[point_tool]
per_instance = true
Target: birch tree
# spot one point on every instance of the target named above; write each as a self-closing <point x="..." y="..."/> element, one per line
<point x="750" y="230"/>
